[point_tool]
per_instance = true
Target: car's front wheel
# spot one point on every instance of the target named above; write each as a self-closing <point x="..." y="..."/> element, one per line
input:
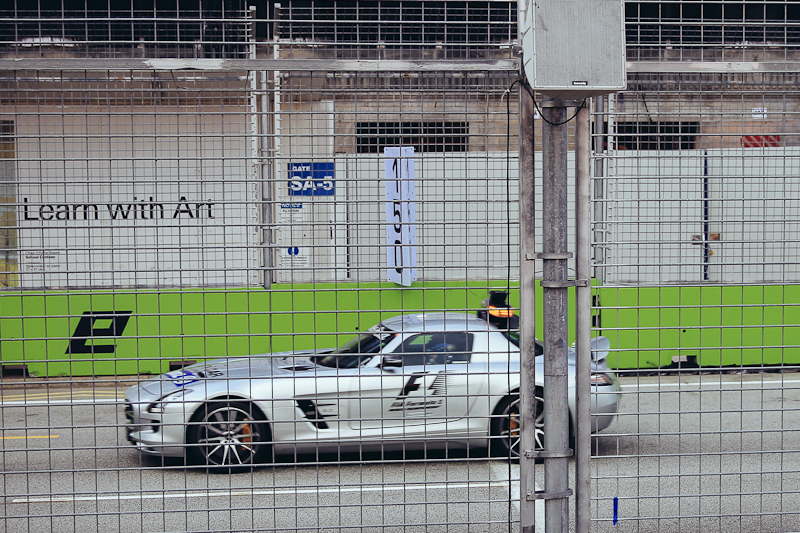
<point x="506" y="427"/>
<point x="227" y="434"/>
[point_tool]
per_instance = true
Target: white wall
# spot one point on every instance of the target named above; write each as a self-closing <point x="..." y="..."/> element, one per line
<point x="462" y="215"/>
<point x="110" y="159"/>
<point x="655" y="209"/>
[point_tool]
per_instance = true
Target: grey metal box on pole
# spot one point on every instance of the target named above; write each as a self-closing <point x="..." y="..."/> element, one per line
<point x="574" y="48"/>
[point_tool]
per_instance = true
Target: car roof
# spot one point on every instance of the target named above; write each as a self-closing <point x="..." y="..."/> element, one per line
<point x="420" y="322"/>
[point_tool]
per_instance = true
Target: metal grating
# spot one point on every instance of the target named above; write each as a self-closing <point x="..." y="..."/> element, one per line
<point x="171" y="192"/>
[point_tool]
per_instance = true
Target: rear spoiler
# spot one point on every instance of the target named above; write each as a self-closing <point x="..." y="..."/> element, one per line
<point x="600" y="347"/>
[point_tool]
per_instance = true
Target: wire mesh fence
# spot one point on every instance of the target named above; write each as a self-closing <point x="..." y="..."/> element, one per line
<point x="188" y="188"/>
<point x="696" y="212"/>
<point x="158" y="218"/>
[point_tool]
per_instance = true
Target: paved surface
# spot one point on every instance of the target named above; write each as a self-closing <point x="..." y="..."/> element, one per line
<point x="702" y="452"/>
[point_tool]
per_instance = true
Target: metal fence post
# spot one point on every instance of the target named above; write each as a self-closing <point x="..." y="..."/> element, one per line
<point x="554" y="283"/>
<point x="527" y="211"/>
<point x="583" y="324"/>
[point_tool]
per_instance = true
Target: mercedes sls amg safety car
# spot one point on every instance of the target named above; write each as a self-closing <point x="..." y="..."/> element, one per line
<point x="420" y="380"/>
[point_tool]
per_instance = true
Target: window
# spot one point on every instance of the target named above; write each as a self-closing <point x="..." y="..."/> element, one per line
<point x="437" y="348"/>
<point x="513" y="336"/>
<point x="712" y="23"/>
<point x="657" y="135"/>
<point x="373" y="137"/>
<point x="8" y="212"/>
<point x="355" y="352"/>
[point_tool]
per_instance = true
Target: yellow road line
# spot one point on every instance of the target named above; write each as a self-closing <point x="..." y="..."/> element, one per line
<point x="31" y="437"/>
<point x="54" y="396"/>
<point x="61" y="395"/>
<point x="67" y="393"/>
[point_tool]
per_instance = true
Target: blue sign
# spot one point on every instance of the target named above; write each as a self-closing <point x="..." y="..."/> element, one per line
<point x="311" y="179"/>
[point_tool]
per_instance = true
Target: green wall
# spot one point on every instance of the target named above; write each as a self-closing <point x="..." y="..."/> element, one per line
<point x="717" y="325"/>
<point x="164" y="326"/>
<point x="648" y="327"/>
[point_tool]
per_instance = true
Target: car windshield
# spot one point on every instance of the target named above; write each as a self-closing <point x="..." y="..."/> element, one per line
<point x="354" y="352"/>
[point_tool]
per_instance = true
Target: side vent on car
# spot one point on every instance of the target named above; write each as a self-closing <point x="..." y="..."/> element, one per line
<point x="311" y="413"/>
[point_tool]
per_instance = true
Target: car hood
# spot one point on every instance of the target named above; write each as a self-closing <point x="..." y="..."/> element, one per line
<point x="258" y="366"/>
<point x="253" y="367"/>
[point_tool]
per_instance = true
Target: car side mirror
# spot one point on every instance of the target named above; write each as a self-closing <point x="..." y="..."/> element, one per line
<point x="392" y="360"/>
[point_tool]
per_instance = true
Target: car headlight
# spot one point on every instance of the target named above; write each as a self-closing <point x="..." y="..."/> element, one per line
<point x="158" y="406"/>
<point x="601" y="379"/>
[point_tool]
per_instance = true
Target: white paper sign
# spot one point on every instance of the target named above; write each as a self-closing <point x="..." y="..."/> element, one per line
<point x="294" y="256"/>
<point x="401" y="216"/>
<point x="292" y="213"/>
<point x="44" y="261"/>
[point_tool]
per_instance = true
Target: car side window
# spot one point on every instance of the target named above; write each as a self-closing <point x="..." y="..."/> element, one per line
<point x="437" y="348"/>
<point x="513" y="336"/>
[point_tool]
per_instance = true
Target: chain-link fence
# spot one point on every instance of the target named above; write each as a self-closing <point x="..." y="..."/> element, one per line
<point x="189" y="182"/>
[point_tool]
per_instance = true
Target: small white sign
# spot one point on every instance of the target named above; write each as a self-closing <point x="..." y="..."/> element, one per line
<point x="401" y="215"/>
<point x="759" y="113"/>
<point x="44" y="261"/>
<point x="294" y="256"/>
<point x="292" y="213"/>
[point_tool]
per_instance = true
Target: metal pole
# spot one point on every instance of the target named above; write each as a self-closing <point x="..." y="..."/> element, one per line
<point x="599" y="208"/>
<point x="527" y="285"/>
<point x="583" y="320"/>
<point x="527" y="282"/>
<point x="554" y="283"/>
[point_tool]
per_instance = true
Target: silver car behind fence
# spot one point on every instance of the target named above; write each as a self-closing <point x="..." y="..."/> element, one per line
<point x="414" y="381"/>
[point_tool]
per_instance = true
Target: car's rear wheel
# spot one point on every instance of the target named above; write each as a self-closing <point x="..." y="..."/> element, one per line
<point x="506" y="426"/>
<point x="227" y="434"/>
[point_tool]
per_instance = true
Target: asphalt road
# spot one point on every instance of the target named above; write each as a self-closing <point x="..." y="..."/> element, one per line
<point x="67" y="467"/>
<point x="703" y="452"/>
<point x="708" y="452"/>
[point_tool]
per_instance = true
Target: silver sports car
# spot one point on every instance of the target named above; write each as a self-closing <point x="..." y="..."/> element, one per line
<point x="430" y="379"/>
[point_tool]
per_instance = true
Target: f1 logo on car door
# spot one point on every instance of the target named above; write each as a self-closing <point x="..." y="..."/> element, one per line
<point x="406" y="401"/>
<point x="432" y="387"/>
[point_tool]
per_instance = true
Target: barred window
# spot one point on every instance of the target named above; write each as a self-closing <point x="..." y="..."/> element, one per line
<point x="657" y="135"/>
<point x="372" y="137"/>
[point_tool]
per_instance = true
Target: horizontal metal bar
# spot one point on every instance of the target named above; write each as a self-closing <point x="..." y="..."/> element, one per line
<point x="711" y="66"/>
<point x="545" y="454"/>
<point x="238" y="65"/>
<point x="369" y="65"/>
<point x="557" y="284"/>
<point x="548" y="495"/>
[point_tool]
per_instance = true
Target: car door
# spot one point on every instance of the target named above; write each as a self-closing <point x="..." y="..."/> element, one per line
<point x="422" y="382"/>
